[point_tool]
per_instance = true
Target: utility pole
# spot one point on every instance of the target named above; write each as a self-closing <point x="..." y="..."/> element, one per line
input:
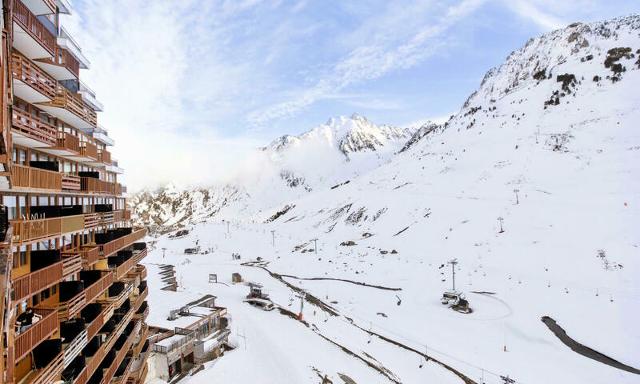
<point x="315" y="246"/>
<point x="273" y="237"/>
<point x="453" y="263"/>
<point x="163" y="252"/>
<point x="516" y="192"/>
<point x="301" y="296"/>
<point x="500" y="219"/>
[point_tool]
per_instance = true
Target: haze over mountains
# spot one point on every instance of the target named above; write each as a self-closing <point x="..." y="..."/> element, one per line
<point x="549" y="143"/>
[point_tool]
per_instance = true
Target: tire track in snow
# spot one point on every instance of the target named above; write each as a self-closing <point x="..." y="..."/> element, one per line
<point x="343" y="280"/>
<point x="332" y="311"/>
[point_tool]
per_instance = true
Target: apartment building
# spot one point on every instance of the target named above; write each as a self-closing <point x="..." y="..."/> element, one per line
<point x="73" y="305"/>
<point x="188" y="337"/>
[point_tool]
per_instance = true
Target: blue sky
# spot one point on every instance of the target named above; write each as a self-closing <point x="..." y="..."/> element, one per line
<point x="205" y="82"/>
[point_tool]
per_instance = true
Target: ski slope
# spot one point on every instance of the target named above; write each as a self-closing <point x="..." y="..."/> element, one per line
<point x="562" y="176"/>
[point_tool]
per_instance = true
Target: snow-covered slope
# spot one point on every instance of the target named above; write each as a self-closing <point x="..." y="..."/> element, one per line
<point x="288" y="168"/>
<point x="169" y="208"/>
<point x="534" y="186"/>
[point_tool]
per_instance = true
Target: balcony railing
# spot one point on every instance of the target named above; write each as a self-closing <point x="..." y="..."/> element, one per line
<point x="96" y="324"/>
<point x="29" y="177"/>
<point x="64" y="59"/>
<point x="90" y="255"/>
<point x="96" y="360"/>
<point x="70" y="182"/>
<point x="34" y="128"/>
<point x="97" y="288"/>
<point x="113" y="246"/>
<point x="48" y="374"/>
<point x="68" y="141"/>
<point x="139" y="270"/>
<point x="29" y="73"/>
<point x="74" y="104"/>
<point x="105" y="156"/>
<point x="37" y="333"/>
<point x="30" y="23"/>
<point x="32" y="230"/>
<point x="71" y="263"/>
<point x="142" y="296"/>
<point x="90" y="184"/>
<point x="123" y="268"/>
<point x="36" y="281"/>
<point x="121" y="354"/>
<point x="70" y="308"/>
<point x="89" y="150"/>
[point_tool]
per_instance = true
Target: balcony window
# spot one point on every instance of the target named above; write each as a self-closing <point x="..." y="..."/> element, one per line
<point x="11" y="204"/>
<point x="48" y="23"/>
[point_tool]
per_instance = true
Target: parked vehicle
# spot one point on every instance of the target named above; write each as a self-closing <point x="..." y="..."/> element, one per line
<point x="263" y="304"/>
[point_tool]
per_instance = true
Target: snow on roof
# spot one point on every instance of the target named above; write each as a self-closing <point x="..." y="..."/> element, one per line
<point x="169" y="341"/>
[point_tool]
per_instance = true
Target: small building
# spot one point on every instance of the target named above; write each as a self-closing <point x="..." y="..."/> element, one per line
<point x="200" y="333"/>
<point x="255" y="292"/>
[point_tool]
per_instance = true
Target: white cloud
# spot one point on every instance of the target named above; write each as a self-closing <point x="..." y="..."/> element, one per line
<point x="155" y="71"/>
<point x="380" y="55"/>
<point x="533" y="11"/>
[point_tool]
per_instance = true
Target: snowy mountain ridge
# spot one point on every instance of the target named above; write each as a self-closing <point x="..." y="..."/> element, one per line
<point x="348" y="134"/>
<point x="532" y="186"/>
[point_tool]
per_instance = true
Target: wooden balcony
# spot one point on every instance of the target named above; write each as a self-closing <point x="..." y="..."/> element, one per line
<point x="90" y="184"/>
<point x="74" y="347"/>
<point x="29" y="177"/>
<point x="25" y="231"/>
<point x="71" y="263"/>
<point x="90" y="255"/>
<point x="125" y="267"/>
<point x="33" y="129"/>
<point x="139" y="271"/>
<point x="81" y="115"/>
<point x="96" y="324"/>
<point x="70" y="182"/>
<point x="71" y="224"/>
<point x="32" y="230"/>
<point x="108" y="249"/>
<point x="62" y="66"/>
<point x="37" y="333"/>
<point x="72" y="307"/>
<point x="94" y="362"/>
<point x="120" y="355"/>
<point x="31" y="25"/>
<point x="68" y="143"/>
<point x="36" y="281"/>
<point x="105" y="156"/>
<point x="49" y="374"/>
<point x="89" y="150"/>
<point x="142" y="314"/>
<point x="29" y="74"/>
<point x="97" y="288"/>
<point x="140" y="298"/>
<point x="122" y="215"/>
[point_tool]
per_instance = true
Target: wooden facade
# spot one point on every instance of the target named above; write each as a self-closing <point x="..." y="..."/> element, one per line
<point x="74" y="292"/>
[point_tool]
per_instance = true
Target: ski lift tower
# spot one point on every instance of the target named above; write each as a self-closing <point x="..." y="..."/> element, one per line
<point x="453" y="298"/>
<point x="453" y="263"/>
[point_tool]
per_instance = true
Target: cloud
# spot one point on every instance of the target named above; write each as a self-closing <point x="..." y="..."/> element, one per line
<point x="190" y="87"/>
<point x="532" y="11"/>
<point x="160" y="72"/>
<point x="374" y="59"/>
